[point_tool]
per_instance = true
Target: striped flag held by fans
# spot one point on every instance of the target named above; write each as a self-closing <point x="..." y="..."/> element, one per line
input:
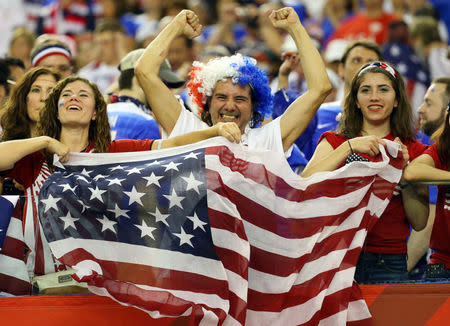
<point x="218" y="232"/>
<point x="14" y="277"/>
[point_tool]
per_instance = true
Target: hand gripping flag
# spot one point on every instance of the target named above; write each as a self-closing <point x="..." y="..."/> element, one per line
<point x="218" y="232"/>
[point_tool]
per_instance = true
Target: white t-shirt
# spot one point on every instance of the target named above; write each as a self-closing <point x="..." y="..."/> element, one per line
<point x="439" y="62"/>
<point x="266" y="137"/>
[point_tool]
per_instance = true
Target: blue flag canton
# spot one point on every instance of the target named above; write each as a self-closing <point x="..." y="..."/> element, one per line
<point x="408" y="64"/>
<point x="159" y="203"/>
<point x="6" y="210"/>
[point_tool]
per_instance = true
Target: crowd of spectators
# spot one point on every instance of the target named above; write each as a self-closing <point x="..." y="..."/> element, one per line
<point x="102" y="41"/>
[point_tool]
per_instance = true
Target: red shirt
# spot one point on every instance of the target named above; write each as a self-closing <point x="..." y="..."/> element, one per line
<point x="360" y="26"/>
<point x="390" y="232"/>
<point x="440" y="236"/>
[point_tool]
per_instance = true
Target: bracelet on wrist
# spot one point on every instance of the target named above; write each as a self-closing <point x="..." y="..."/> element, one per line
<point x="349" y="145"/>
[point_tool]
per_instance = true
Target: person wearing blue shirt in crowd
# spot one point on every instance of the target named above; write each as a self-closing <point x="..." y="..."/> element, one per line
<point x="129" y="115"/>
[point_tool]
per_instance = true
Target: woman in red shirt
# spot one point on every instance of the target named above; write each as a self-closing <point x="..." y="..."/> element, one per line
<point x="433" y="165"/>
<point x="377" y="109"/>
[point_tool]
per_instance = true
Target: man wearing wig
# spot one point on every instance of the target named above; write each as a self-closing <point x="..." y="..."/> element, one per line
<point x="232" y="88"/>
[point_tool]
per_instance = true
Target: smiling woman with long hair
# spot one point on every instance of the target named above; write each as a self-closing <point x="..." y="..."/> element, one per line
<point x="433" y="165"/>
<point x="377" y="109"/>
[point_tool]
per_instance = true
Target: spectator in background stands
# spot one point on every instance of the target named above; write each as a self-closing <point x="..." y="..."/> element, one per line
<point x="402" y="55"/>
<point x="228" y="30"/>
<point x="53" y="54"/>
<point x="68" y="17"/>
<point x="21" y="114"/>
<point x="12" y="14"/>
<point x="443" y="8"/>
<point x="129" y="115"/>
<point x="432" y="110"/>
<point x="109" y="37"/>
<point x="181" y="55"/>
<point x="434" y="165"/>
<point x="377" y="108"/>
<point x="146" y="24"/>
<point x="372" y="24"/>
<point x="22" y="41"/>
<point x="86" y="50"/>
<point x="428" y="44"/>
<point x="334" y="13"/>
<point x="5" y="83"/>
<point x="16" y="68"/>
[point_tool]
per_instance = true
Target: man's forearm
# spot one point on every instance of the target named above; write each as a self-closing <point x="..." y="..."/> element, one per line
<point x="312" y="64"/>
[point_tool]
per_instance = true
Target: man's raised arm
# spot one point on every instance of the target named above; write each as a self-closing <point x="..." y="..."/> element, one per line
<point x="300" y="113"/>
<point x="165" y="106"/>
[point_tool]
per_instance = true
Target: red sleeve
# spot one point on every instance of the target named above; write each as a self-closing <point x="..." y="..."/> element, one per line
<point x="130" y="145"/>
<point x="415" y="149"/>
<point x="332" y="138"/>
<point x="26" y="170"/>
<point x="433" y="152"/>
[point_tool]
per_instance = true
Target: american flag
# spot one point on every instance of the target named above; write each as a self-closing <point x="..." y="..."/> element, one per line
<point x="218" y="232"/>
<point x="413" y="70"/>
<point x="14" y="279"/>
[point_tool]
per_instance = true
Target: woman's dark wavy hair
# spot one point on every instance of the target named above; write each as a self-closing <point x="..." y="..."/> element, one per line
<point x="442" y="135"/>
<point x="99" y="131"/>
<point x="401" y="119"/>
<point x="15" y="121"/>
<point x="255" y="120"/>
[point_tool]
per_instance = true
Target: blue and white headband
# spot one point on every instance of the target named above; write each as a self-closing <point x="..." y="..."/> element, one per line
<point x="50" y="50"/>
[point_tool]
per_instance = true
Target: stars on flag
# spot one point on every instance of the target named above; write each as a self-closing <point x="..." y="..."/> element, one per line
<point x="174" y="199"/>
<point x="192" y="183"/>
<point x="142" y="196"/>
<point x="146" y="230"/>
<point x="50" y="202"/>
<point x="135" y="196"/>
<point x="107" y="224"/>
<point x="119" y="212"/>
<point x="159" y="217"/>
<point x="171" y="166"/>
<point x="96" y="193"/>
<point x="184" y="237"/>
<point x="69" y="221"/>
<point x="66" y="187"/>
<point x="153" y="179"/>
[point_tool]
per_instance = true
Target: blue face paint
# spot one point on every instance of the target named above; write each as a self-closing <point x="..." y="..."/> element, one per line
<point x="61" y="103"/>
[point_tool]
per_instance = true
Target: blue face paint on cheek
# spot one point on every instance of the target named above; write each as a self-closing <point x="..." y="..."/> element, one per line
<point x="61" y="103"/>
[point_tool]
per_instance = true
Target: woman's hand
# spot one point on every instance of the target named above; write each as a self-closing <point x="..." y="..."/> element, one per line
<point x="56" y="147"/>
<point x="367" y="144"/>
<point x="229" y="130"/>
<point x="404" y="152"/>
